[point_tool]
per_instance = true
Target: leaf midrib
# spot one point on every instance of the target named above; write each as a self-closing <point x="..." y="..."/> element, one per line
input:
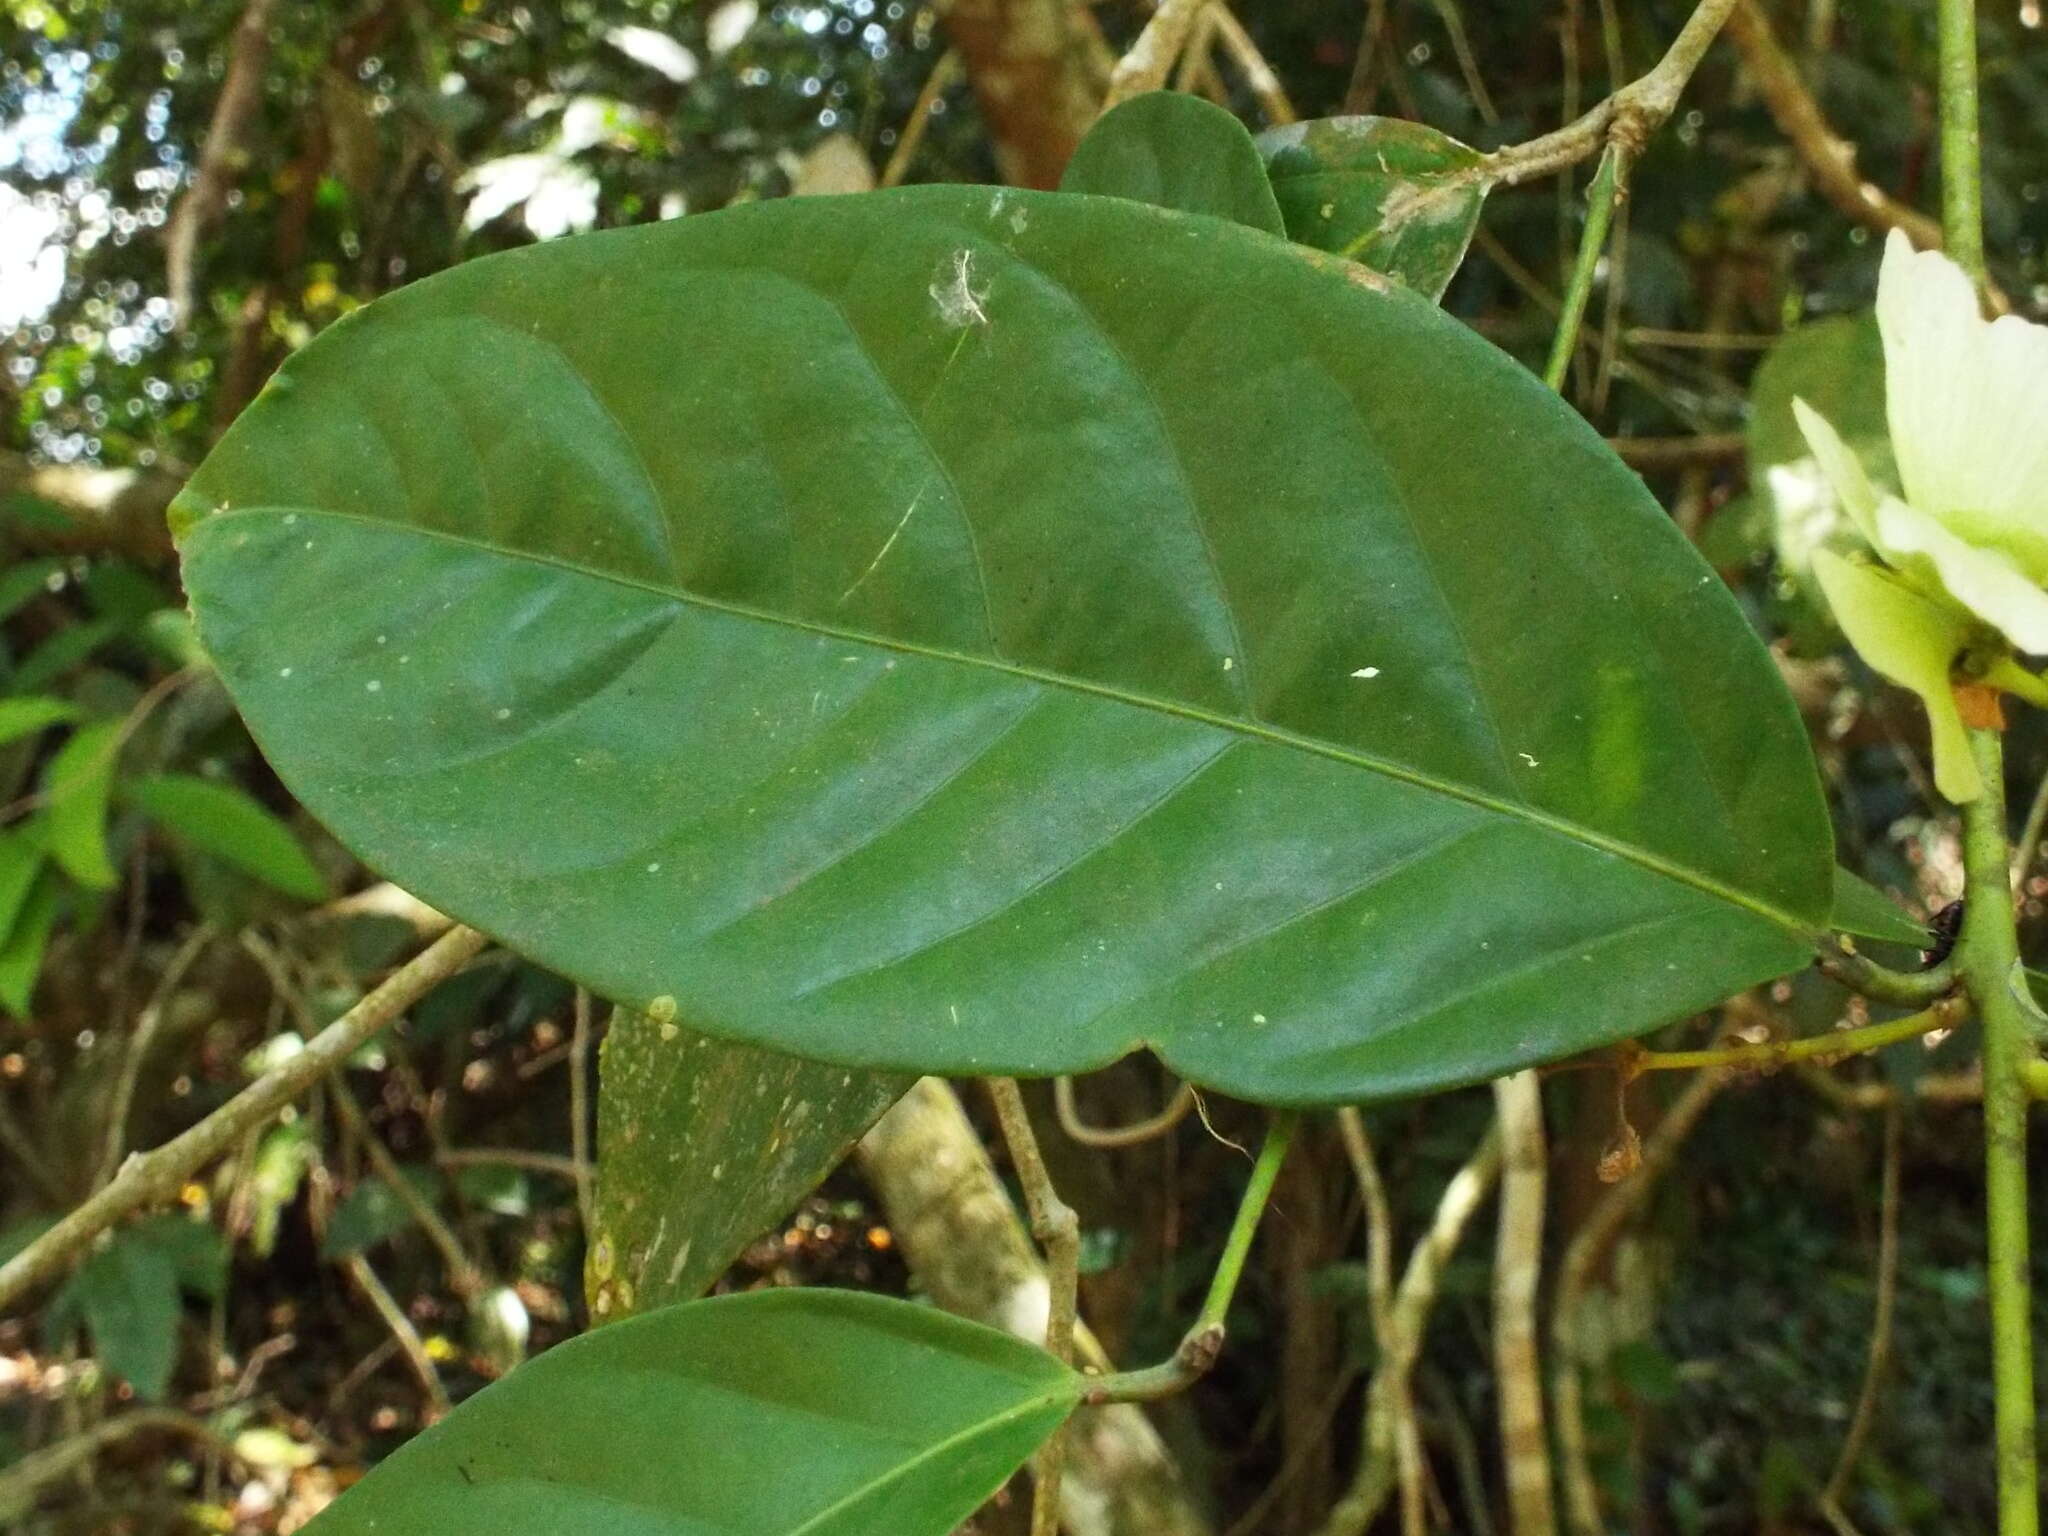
<point x="1248" y="728"/>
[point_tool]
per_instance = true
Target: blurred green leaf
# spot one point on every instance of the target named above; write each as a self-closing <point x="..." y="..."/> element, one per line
<point x="21" y="956"/>
<point x="61" y="652"/>
<point x="230" y="825"/>
<point x="20" y="859"/>
<point x="282" y="1158"/>
<point x="126" y="1295"/>
<point x="25" y="715"/>
<point x="22" y="581"/>
<point x="373" y="1212"/>
<point x="77" y="786"/>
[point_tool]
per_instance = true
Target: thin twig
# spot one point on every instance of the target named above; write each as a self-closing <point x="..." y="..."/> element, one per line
<point x="1258" y="73"/>
<point x="147" y="1023"/>
<point x="1628" y="117"/>
<point x="1583" y="1255"/>
<point x="1461" y="49"/>
<point x="150" y="1178"/>
<point x="579" y="1111"/>
<point x="465" y="1278"/>
<point x="21" y="1482"/>
<point x="1378" y="1468"/>
<point x="1517" y="1272"/>
<point x="240" y="99"/>
<point x="1203" y="1342"/>
<point x="1058" y="1231"/>
<point x="2028" y="848"/>
<point x="510" y="1157"/>
<point x="1151" y="58"/>
<point x="1946" y="1014"/>
<point x="1137" y="1132"/>
<point x="1880" y="1326"/>
<point x="1601" y="198"/>
<point x="1679" y="452"/>
<point x="936" y="84"/>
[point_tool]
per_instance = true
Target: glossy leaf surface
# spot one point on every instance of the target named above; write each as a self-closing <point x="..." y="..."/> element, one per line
<point x="1174" y="150"/>
<point x="1394" y="195"/>
<point x="773" y="1413"/>
<point x="971" y="644"/>
<point x="702" y="1144"/>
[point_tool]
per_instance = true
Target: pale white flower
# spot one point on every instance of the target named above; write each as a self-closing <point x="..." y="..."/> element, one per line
<point x="1965" y="547"/>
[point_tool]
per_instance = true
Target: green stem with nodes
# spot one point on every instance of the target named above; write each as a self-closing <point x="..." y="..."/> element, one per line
<point x="1987" y="957"/>
<point x="1945" y="1014"/>
<point x="1866" y="978"/>
<point x="1600" y="200"/>
<point x="1987" y="951"/>
<point x="1203" y="1342"/>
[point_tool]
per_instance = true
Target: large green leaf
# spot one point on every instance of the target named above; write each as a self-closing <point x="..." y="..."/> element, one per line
<point x="701" y="1145"/>
<point x="905" y="633"/>
<point x="773" y="1413"/>
<point x="1397" y="196"/>
<point x="1173" y="150"/>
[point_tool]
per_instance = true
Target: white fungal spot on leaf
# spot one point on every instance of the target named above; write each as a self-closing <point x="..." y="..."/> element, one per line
<point x="953" y="292"/>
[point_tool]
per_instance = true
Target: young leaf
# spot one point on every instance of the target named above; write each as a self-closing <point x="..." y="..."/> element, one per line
<point x="77" y="784"/>
<point x="773" y="1413"/>
<point x="702" y="1145"/>
<point x="1865" y="911"/>
<point x="23" y="580"/>
<point x="1397" y="196"/>
<point x="227" y="823"/>
<point x="965" y="647"/>
<point x="25" y="716"/>
<point x="1176" y="151"/>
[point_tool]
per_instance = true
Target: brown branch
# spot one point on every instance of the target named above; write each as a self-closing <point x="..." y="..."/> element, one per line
<point x="1033" y="67"/>
<point x="1137" y="1132"/>
<point x="1679" y="452"/>
<point x="1258" y="74"/>
<point x="150" y="1178"/>
<point x="241" y="94"/>
<point x="936" y="84"/>
<point x="1829" y="159"/>
<point x="1151" y="58"/>
<point x="1628" y="117"/>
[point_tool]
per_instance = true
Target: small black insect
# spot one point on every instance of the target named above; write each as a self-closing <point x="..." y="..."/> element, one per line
<point x="1947" y="924"/>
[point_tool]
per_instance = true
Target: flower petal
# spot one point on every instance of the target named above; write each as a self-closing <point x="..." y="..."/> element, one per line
<point x="1839" y="463"/>
<point x="1913" y="641"/>
<point x="1984" y="581"/>
<point x="1968" y="404"/>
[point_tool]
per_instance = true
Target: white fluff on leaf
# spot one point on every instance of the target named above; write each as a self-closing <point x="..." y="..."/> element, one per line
<point x="1965" y="551"/>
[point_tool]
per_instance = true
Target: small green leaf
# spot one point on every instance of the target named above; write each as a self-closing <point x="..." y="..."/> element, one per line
<point x="1396" y="196"/>
<point x="26" y="715"/>
<point x="20" y="859"/>
<point x="280" y="1168"/>
<point x="61" y="652"/>
<point x="78" y="784"/>
<point x="126" y="1294"/>
<point x="773" y="1413"/>
<point x="1176" y="151"/>
<point x="702" y="1145"/>
<point x="1868" y="913"/>
<point x="374" y="1213"/>
<point x="227" y="823"/>
<point x="21" y="956"/>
